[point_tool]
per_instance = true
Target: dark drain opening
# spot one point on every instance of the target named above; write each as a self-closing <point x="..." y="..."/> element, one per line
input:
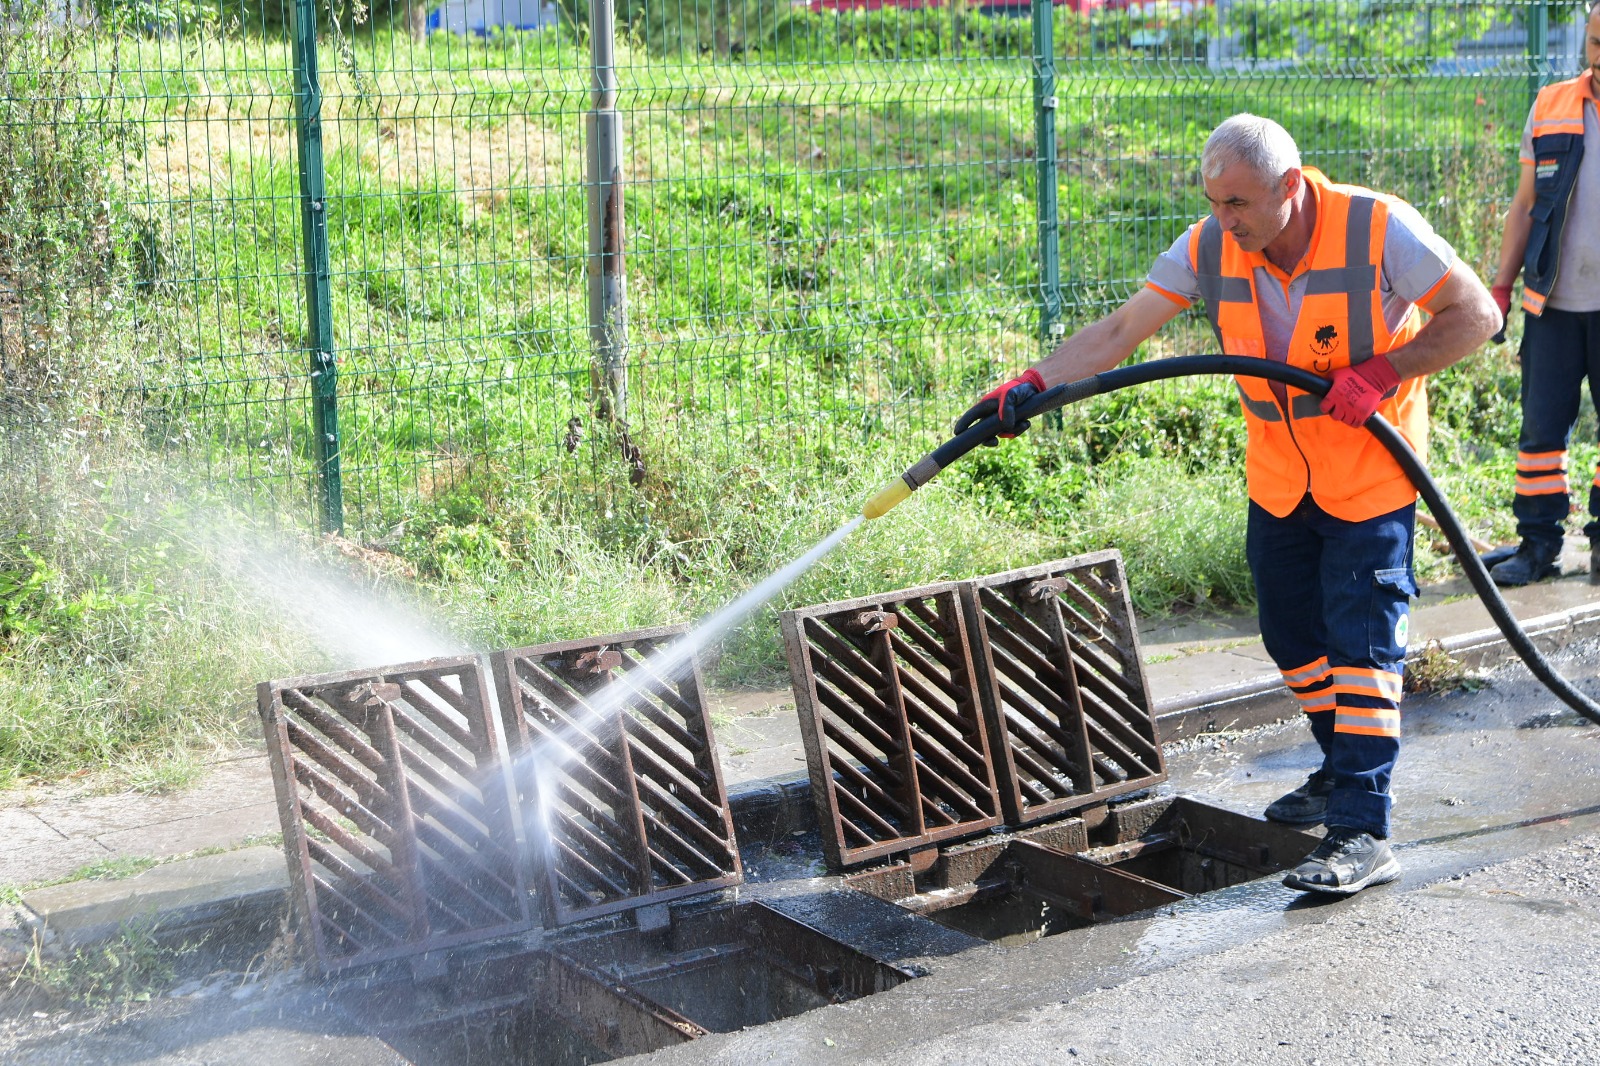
<point x="726" y="968"/>
<point x="1192" y="847"/>
<point x="1054" y="879"/>
<point x="616" y="992"/>
<point x="518" y="1009"/>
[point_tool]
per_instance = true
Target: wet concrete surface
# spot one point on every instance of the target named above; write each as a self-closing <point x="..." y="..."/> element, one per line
<point x="1485" y="951"/>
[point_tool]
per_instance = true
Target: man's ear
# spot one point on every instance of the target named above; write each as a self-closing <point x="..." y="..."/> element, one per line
<point x="1291" y="182"/>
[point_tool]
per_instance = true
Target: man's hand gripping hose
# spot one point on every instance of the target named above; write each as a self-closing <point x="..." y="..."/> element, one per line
<point x="986" y="429"/>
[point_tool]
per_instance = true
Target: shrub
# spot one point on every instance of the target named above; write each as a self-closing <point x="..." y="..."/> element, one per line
<point x="58" y="142"/>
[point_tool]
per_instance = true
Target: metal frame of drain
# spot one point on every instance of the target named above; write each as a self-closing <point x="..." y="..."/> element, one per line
<point x="628" y="787"/>
<point x="1104" y="864"/>
<point x="934" y="714"/>
<point x="1061" y="672"/>
<point x="396" y="812"/>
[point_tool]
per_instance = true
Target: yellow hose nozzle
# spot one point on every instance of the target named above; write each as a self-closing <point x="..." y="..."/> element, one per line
<point x="886" y="498"/>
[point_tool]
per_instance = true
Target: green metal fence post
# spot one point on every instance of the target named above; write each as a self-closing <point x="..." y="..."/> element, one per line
<point x="319" y="295"/>
<point x="1044" y="121"/>
<point x="1538" y="27"/>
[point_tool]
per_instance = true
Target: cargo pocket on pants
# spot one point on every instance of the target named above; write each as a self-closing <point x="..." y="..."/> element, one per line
<point x="1389" y="620"/>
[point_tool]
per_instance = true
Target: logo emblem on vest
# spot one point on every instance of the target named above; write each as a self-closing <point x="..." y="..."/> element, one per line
<point x="1326" y="341"/>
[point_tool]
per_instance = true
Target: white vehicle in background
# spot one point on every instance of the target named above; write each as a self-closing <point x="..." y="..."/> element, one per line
<point x="479" y="18"/>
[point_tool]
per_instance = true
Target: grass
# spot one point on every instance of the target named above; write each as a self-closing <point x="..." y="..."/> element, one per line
<point x="1436" y="670"/>
<point x="133" y="967"/>
<point x="831" y="248"/>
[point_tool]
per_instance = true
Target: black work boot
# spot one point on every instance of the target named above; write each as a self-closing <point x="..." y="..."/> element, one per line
<point x="1346" y="861"/>
<point x="1594" y="562"/>
<point x="1535" y="560"/>
<point x="1306" y="805"/>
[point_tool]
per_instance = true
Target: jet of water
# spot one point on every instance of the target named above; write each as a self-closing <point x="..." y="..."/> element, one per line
<point x="668" y="661"/>
<point x="560" y="749"/>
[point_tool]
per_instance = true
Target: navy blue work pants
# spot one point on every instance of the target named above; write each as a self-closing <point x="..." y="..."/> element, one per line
<point x="1334" y="602"/>
<point x="1559" y="350"/>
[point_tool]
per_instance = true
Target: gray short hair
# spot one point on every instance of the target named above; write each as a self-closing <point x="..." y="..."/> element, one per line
<point x="1259" y="143"/>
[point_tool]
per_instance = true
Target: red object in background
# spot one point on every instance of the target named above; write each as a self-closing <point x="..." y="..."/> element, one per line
<point x="984" y="5"/>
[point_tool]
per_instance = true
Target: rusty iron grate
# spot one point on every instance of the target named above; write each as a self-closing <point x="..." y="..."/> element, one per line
<point x="1059" y="662"/>
<point x="396" y="812"/>
<point x="889" y="711"/>
<point x="451" y="801"/>
<point x="616" y="760"/>
<point x="934" y="714"/>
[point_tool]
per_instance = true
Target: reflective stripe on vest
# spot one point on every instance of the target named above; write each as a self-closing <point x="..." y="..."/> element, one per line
<point x="1557" y="154"/>
<point x="1293" y="447"/>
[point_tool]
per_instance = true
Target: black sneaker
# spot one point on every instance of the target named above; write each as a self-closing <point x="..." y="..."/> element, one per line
<point x="1346" y="861"/>
<point x="1306" y="805"/>
<point x="1535" y="560"/>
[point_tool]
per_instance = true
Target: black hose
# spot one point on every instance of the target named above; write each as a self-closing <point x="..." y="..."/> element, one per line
<point x="1190" y="365"/>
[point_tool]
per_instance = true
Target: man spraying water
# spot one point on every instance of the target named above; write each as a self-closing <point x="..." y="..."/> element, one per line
<point x="1296" y="269"/>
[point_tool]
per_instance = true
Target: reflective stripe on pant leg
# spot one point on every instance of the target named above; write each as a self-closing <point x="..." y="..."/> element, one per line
<point x="1311" y="685"/>
<point x="1375" y="715"/>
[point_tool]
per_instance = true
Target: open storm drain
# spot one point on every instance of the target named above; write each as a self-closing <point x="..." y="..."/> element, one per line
<point x="526" y="857"/>
<point x="530" y="856"/>
<point x="988" y="756"/>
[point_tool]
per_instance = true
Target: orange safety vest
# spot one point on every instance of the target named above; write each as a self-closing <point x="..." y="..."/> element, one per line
<point x="1557" y="154"/>
<point x="1293" y="448"/>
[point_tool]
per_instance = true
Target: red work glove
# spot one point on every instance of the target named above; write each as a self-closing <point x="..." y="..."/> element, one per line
<point x="1003" y="401"/>
<point x="1502" y="300"/>
<point x="1357" y="390"/>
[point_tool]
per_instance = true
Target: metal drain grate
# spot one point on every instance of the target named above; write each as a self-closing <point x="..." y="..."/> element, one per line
<point x="925" y="722"/>
<point x="395" y="788"/>
<point x="622" y="776"/>
<point x="395" y="809"/>
<point x="896" y="746"/>
<point x="1064" y="686"/>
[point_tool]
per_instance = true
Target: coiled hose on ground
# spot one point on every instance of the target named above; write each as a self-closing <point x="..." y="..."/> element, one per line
<point x="1184" y="366"/>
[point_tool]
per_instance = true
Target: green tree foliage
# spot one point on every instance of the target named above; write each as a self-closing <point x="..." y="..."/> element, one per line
<point x="1345" y="31"/>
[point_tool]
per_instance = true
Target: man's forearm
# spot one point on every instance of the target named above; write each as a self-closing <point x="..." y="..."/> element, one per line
<point x="1464" y="315"/>
<point x="1101" y="345"/>
<point x="1089" y="351"/>
<point x="1456" y="331"/>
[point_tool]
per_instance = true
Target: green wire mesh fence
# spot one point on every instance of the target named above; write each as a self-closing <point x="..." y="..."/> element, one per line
<point x="349" y="261"/>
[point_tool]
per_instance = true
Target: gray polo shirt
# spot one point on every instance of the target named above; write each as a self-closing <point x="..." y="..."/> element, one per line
<point x="1415" y="259"/>
<point x="1577" y="286"/>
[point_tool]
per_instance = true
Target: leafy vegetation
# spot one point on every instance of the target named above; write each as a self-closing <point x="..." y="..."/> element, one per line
<point x="825" y="263"/>
<point x="133" y="967"/>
